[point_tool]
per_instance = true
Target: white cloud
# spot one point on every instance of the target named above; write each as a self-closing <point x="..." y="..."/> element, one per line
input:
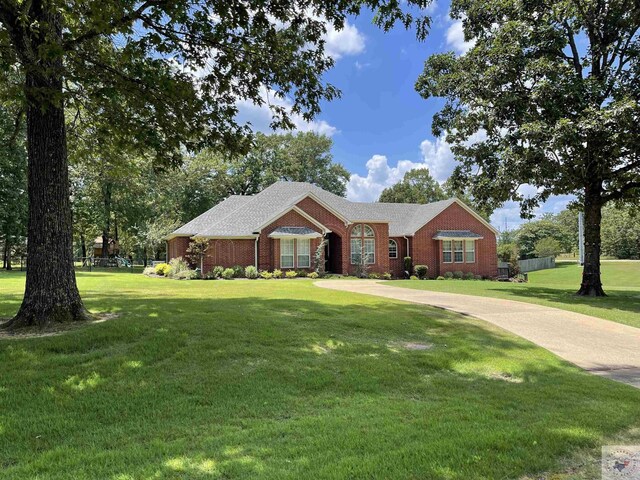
<point x="438" y="157"/>
<point x="455" y="38"/>
<point x="509" y="215"/>
<point x="347" y="41"/>
<point x="259" y="116"/>
<point x="379" y="176"/>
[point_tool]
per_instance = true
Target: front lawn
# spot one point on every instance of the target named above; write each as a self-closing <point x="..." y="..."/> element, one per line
<point x="556" y="288"/>
<point x="283" y="380"/>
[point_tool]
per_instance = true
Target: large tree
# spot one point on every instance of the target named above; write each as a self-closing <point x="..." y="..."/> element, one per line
<point x="551" y="89"/>
<point x="167" y="74"/>
<point x="417" y="186"/>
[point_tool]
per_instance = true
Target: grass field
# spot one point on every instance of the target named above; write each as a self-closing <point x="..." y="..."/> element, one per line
<point x="283" y="380"/>
<point x="556" y="288"/>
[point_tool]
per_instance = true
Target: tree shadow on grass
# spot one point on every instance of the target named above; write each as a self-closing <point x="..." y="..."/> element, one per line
<point x="256" y="387"/>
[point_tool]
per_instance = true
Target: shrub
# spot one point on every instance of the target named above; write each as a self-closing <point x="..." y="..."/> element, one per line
<point x="251" y="272"/>
<point x="215" y="273"/>
<point x="374" y="276"/>
<point x="186" y="275"/>
<point x="413" y="277"/>
<point x="162" y="269"/>
<point x="266" y="274"/>
<point x="421" y="271"/>
<point x="238" y="271"/>
<point x="386" y="276"/>
<point x="448" y="275"/>
<point x="468" y="276"/>
<point x="228" y="273"/>
<point x="440" y="277"/>
<point x="302" y="273"/>
<point x="177" y="265"/>
<point x="277" y="273"/>
<point x="458" y="275"/>
<point x="313" y="275"/>
<point x="291" y="274"/>
<point x="408" y="264"/>
<point x="477" y="277"/>
<point x="149" y="271"/>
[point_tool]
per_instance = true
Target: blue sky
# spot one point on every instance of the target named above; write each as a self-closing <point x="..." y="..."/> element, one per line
<point x="381" y="127"/>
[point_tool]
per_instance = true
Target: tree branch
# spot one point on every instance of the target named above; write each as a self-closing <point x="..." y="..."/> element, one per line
<point x="575" y="54"/>
<point x="126" y="19"/>
<point x="619" y="194"/>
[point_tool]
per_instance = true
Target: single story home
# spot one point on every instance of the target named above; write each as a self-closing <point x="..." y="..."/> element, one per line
<point x="288" y="222"/>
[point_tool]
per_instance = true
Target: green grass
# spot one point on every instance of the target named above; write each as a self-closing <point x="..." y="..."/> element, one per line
<point x="556" y="288"/>
<point x="283" y="380"/>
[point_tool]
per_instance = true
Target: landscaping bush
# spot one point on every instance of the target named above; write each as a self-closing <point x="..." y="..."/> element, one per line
<point x="458" y="275"/>
<point x="313" y="275"/>
<point x="413" y="277"/>
<point x="374" y="276"/>
<point x="291" y="274"/>
<point x="477" y="277"/>
<point x="302" y="273"/>
<point x="386" y="276"/>
<point x="228" y="273"/>
<point x="408" y="264"/>
<point x="251" y="272"/>
<point x="177" y="265"/>
<point x="448" y="275"/>
<point x="440" y="277"/>
<point x="162" y="269"/>
<point x="238" y="271"/>
<point x="149" y="271"/>
<point x="186" y="275"/>
<point x="277" y="273"/>
<point x="266" y="274"/>
<point x="468" y="276"/>
<point x="421" y="271"/>
<point x="215" y="273"/>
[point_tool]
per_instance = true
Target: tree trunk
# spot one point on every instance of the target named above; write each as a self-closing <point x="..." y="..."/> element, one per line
<point x="7" y="254"/>
<point x="144" y="253"/>
<point x="591" y="284"/>
<point x="51" y="294"/>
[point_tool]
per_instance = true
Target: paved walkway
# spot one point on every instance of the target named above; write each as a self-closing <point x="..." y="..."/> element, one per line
<point x="602" y="347"/>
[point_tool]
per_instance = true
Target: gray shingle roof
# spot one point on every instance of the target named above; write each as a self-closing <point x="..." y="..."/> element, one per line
<point x="445" y="234"/>
<point x="246" y="215"/>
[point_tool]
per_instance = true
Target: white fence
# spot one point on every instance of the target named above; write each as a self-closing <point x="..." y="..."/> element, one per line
<point x="533" y="264"/>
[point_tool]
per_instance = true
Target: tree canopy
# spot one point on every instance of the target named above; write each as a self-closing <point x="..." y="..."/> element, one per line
<point x="548" y="96"/>
<point x="417" y="186"/>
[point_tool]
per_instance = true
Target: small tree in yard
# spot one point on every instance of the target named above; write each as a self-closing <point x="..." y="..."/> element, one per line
<point x="197" y="251"/>
<point x="547" y="247"/>
<point x="318" y="258"/>
<point x="547" y="95"/>
<point x="165" y="75"/>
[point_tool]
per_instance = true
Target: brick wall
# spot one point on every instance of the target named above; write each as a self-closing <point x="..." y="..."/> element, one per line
<point x="178" y="247"/>
<point x="229" y="252"/>
<point x="396" y="265"/>
<point x="427" y="251"/>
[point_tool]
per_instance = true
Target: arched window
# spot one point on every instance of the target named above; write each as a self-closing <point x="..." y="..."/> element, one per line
<point x="393" y="249"/>
<point x="363" y="245"/>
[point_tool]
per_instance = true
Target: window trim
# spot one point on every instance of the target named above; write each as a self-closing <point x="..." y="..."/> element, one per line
<point x="292" y="254"/>
<point x="308" y="254"/>
<point x="467" y="251"/>
<point x="449" y="251"/>
<point x="395" y="255"/>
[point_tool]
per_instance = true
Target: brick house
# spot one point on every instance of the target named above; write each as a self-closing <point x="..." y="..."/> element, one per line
<point x="284" y="225"/>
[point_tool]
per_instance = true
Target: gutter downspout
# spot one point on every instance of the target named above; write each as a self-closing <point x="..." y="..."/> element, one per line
<point x="407" y="239"/>
<point x="255" y="253"/>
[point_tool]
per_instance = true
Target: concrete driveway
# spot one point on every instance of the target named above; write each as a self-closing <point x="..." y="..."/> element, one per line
<point x="599" y="346"/>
